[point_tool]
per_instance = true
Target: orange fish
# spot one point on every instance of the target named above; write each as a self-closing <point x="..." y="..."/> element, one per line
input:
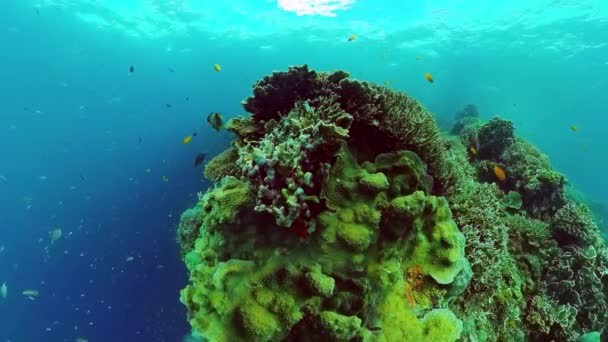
<point x="500" y="173"/>
<point x="187" y="140"/>
<point x="428" y="77"/>
<point x="473" y="150"/>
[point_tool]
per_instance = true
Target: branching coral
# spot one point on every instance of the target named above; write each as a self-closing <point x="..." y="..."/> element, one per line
<point x="294" y="154"/>
<point x="403" y="234"/>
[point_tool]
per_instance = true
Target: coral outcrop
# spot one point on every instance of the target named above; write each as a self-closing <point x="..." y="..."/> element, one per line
<point x="341" y="213"/>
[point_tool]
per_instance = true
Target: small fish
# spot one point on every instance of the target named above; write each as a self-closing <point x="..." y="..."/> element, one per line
<point x="573" y="128"/>
<point x="418" y="58"/>
<point x="194" y="134"/>
<point x="131" y="69"/>
<point x="3" y="178"/>
<point x="200" y="158"/>
<point x="217" y="67"/>
<point x="428" y="77"/>
<point x="352" y="37"/>
<point x="168" y="105"/>
<point x="388" y="83"/>
<point x="215" y="120"/>
<point x="187" y="140"/>
<point x="129" y="259"/>
<point x="187" y="98"/>
<point x="3" y="291"/>
<point x="81" y="339"/>
<point x="500" y="173"/>
<point x="473" y="150"/>
<point x="30" y="293"/>
<point x="148" y="170"/>
<point x="55" y="234"/>
<point x="164" y="179"/>
<point x="84" y="179"/>
<point x="171" y="69"/>
<point x="140" y="140"/>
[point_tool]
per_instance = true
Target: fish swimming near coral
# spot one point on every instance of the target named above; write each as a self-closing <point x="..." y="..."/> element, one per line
<point x="352" y="37"/>
<point x="187" y="140"/>
<point x="473" y="150"/>
<point x="500" y="173"/>
<point x="428" y="77"/>
<point x="217" y="67"/>
<point x="215" y="120"/>
<point x="199" y="159"/>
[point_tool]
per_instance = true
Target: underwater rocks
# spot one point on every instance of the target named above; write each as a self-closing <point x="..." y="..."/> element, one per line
<point x="341" y="213"/>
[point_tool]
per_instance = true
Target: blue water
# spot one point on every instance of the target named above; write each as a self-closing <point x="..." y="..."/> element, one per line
<point x="84" y="143"/>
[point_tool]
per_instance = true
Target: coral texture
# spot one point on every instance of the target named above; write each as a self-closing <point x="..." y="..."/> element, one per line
<point x="341" y="213"/>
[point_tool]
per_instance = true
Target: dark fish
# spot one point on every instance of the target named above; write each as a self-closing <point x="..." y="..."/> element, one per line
<point x="168" y="105"/>
<point x="187" y="98"/>
<point x="194" y="134"/>
<point x="215" y="120"/>
<point x="140" y="140"/>
<point x="83" y="178"/>
<point x="131" y="68"/>
<point x="171" y="69"/>
<point x="200" y="158"/>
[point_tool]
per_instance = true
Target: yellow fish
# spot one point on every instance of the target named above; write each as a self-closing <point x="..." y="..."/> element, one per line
<point x="30" y="293"/>
<point x="574" y="128"/>
<point x="352" y="37"/>
<point x="500" y="173"/>
<point x="217" y="67"/>
<point x="428" y="77"/>
<point x="55" y="234"/>
<point x="187" y="140"/>
<point x="473" y="150"/>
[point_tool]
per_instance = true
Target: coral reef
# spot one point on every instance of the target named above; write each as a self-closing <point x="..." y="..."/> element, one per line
<point x="341" y="213"/>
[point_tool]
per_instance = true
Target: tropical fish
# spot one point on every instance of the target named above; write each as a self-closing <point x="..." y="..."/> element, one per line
<point x="217" y="67"/>
<point x="473" y="150"/>
<point x="352" y="37"/>
<point x="500" y="173"/>
<point x="428" y="77"/>
<point x="164" y="179"/>
<point x="30" y="293"/>
<point x="573" y="128"/>
<point x="215" y="120"/>
<point x="3" y="291"/>
<point x="55" y="234"/>
<point x="200" y="158"/>
<point x="187" y="140"/>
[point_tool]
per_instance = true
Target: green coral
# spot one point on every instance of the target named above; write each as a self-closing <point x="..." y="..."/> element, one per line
<point x="402" y="234"/>
<point x="222" y="165"/>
